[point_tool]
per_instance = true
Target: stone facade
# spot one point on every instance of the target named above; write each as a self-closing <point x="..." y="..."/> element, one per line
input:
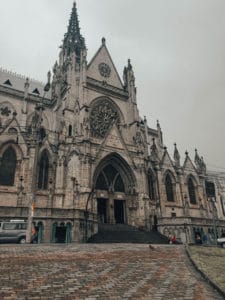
<point x="75" y="152"/>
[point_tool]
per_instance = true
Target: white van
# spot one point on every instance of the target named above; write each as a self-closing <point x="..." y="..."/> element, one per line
<point x="13" y="231"/>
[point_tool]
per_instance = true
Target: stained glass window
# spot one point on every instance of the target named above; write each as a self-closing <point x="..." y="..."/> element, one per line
<point x="43" y="171"/>
<point x="8" y="167"/>
<point x="191" y="191"/>
<point x="169" y="188"/>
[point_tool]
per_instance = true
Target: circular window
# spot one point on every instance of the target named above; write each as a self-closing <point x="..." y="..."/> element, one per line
<point x="104" y="70"/>
<point x="103" y="114"/>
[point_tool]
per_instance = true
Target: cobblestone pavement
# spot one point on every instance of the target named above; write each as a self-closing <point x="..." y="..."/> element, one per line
<point x="91" y="271"/>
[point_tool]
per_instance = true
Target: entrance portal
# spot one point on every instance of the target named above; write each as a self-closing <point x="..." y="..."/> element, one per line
<point x="102" y="210"/>
<point x="119" y="211"/>
<point x="60" y="234"/>
<point x="113" y="181"/>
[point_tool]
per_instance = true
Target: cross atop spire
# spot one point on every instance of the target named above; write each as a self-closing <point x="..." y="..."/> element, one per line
<point x="73" y="40"/>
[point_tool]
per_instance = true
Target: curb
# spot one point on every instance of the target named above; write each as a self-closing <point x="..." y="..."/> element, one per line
<point x="213" y="284"/>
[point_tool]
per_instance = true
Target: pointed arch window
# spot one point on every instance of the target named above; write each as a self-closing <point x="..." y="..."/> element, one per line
<point x="169" y="188"/>
<point x="151" y="188"/>
<point x="43" y="171"/>
<point x="191" y="191"/>
<point x="101" y="183"/>
<point x="70" y="130"/>
<point x="110" y="179"/>
<point x="8" y="167"/>
<point x="42" y="133"/>
<point x="119" y="185"/>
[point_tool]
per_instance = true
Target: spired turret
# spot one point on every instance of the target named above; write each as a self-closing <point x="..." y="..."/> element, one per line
<point x="73" y="41"/>
<point x="176" y="156"/>
<point x="69" y="74"/>
<point x="129" y="81"/>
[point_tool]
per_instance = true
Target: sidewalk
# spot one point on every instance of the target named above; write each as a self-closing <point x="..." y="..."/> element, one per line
<point x="100" y="272"/>
<point x="210" y="261"/>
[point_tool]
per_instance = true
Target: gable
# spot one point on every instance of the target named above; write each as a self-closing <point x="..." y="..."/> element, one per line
<point x="188" y="165"/>
<point x="166" y="160"/>
<point x="114" y="142"/>
<point x="113" y="139"/>
<point x="12" y="133"/>
<point x="102" y="68"/>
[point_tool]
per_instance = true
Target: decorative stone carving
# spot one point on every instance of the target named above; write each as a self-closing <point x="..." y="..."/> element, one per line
<point x="104" y="70"/>
<point x="200" y="164"/>
<point x="138" y="139"/>
<point x="103" y="114"/>
<point x="5" y="111"/>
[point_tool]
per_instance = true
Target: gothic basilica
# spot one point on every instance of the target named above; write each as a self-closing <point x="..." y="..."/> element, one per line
<point x="76" y="154"/>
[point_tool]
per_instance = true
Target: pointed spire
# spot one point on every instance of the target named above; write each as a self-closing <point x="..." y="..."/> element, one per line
<point x="160" y="134"/>
<point x="158" y="124"/>
<point x="103" y="41"/>
<point x="176" y="156"/>
<point x="47" y="86"/>
<point x="198" y="162"/>
<point x="154" y="151"/>
<point x="26" y="87"/>
<point x="73" y="40"/>
<point x="197" y="158"/>
<point x="129" y="64"/>
<point x="203" y="165"/>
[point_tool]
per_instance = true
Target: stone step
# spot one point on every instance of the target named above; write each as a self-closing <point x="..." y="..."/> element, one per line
<point x="116" y="227"/>
<point x="127" y="234"/>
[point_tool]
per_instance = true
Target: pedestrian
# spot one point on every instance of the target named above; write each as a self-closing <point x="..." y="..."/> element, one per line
<point x="198" y="239"/>
<point x="172" y="239"/>
<point x="34" y="235"/>
<point x="205" y="239"/>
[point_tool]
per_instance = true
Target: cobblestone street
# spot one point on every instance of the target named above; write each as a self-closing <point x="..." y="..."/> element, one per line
<point x="90" y="271"/>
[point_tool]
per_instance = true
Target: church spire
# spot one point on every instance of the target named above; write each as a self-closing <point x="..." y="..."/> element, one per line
<point x="73" y="40"/>
<point x="176" y="156"/>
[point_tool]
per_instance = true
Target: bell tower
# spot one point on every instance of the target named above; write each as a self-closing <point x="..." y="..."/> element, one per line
<point x="69" y="74"/>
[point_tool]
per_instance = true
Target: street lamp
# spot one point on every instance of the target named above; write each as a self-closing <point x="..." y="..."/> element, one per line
<point x="37" y="139"/>
<point x="20" y="191"/>
<point x="213" y="203"/>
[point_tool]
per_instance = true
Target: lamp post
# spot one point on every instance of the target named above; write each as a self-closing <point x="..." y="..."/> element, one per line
<point x="86" y="214"/>
<point x="37" y="120"/>
<point x="20" y="191"/>
<point x="213" y="203"/>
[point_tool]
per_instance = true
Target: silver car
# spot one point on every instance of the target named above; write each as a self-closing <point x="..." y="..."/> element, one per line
<point x="13" y="232"/>
<point x="221" y="242"/>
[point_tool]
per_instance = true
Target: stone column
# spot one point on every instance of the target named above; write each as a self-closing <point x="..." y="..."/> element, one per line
<point x="111" y="217"/>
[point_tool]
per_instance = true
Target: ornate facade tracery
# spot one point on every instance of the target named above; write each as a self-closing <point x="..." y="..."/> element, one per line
<point x="102" y="116"/>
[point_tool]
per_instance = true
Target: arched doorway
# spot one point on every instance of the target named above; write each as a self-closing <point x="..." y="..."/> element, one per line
<point x="60" y="233"/>
<point x="114" y="181"/>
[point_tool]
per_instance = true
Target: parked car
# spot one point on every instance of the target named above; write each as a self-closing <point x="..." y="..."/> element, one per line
<point x="221" y="242"/>
<point x="13" y="231"/>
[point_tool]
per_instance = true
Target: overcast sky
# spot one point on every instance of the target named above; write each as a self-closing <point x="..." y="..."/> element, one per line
<point x="176" y="47"/>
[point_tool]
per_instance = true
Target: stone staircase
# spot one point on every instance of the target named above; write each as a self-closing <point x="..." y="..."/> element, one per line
<point x="122" y="233"/>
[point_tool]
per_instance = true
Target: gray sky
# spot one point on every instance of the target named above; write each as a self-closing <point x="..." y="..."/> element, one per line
<point x="177" y="49"/>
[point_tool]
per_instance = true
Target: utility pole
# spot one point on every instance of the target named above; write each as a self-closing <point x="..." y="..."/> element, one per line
<point x="37" y="124"/>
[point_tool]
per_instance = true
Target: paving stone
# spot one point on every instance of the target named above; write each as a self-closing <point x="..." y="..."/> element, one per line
<point x="103" y="271"/>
